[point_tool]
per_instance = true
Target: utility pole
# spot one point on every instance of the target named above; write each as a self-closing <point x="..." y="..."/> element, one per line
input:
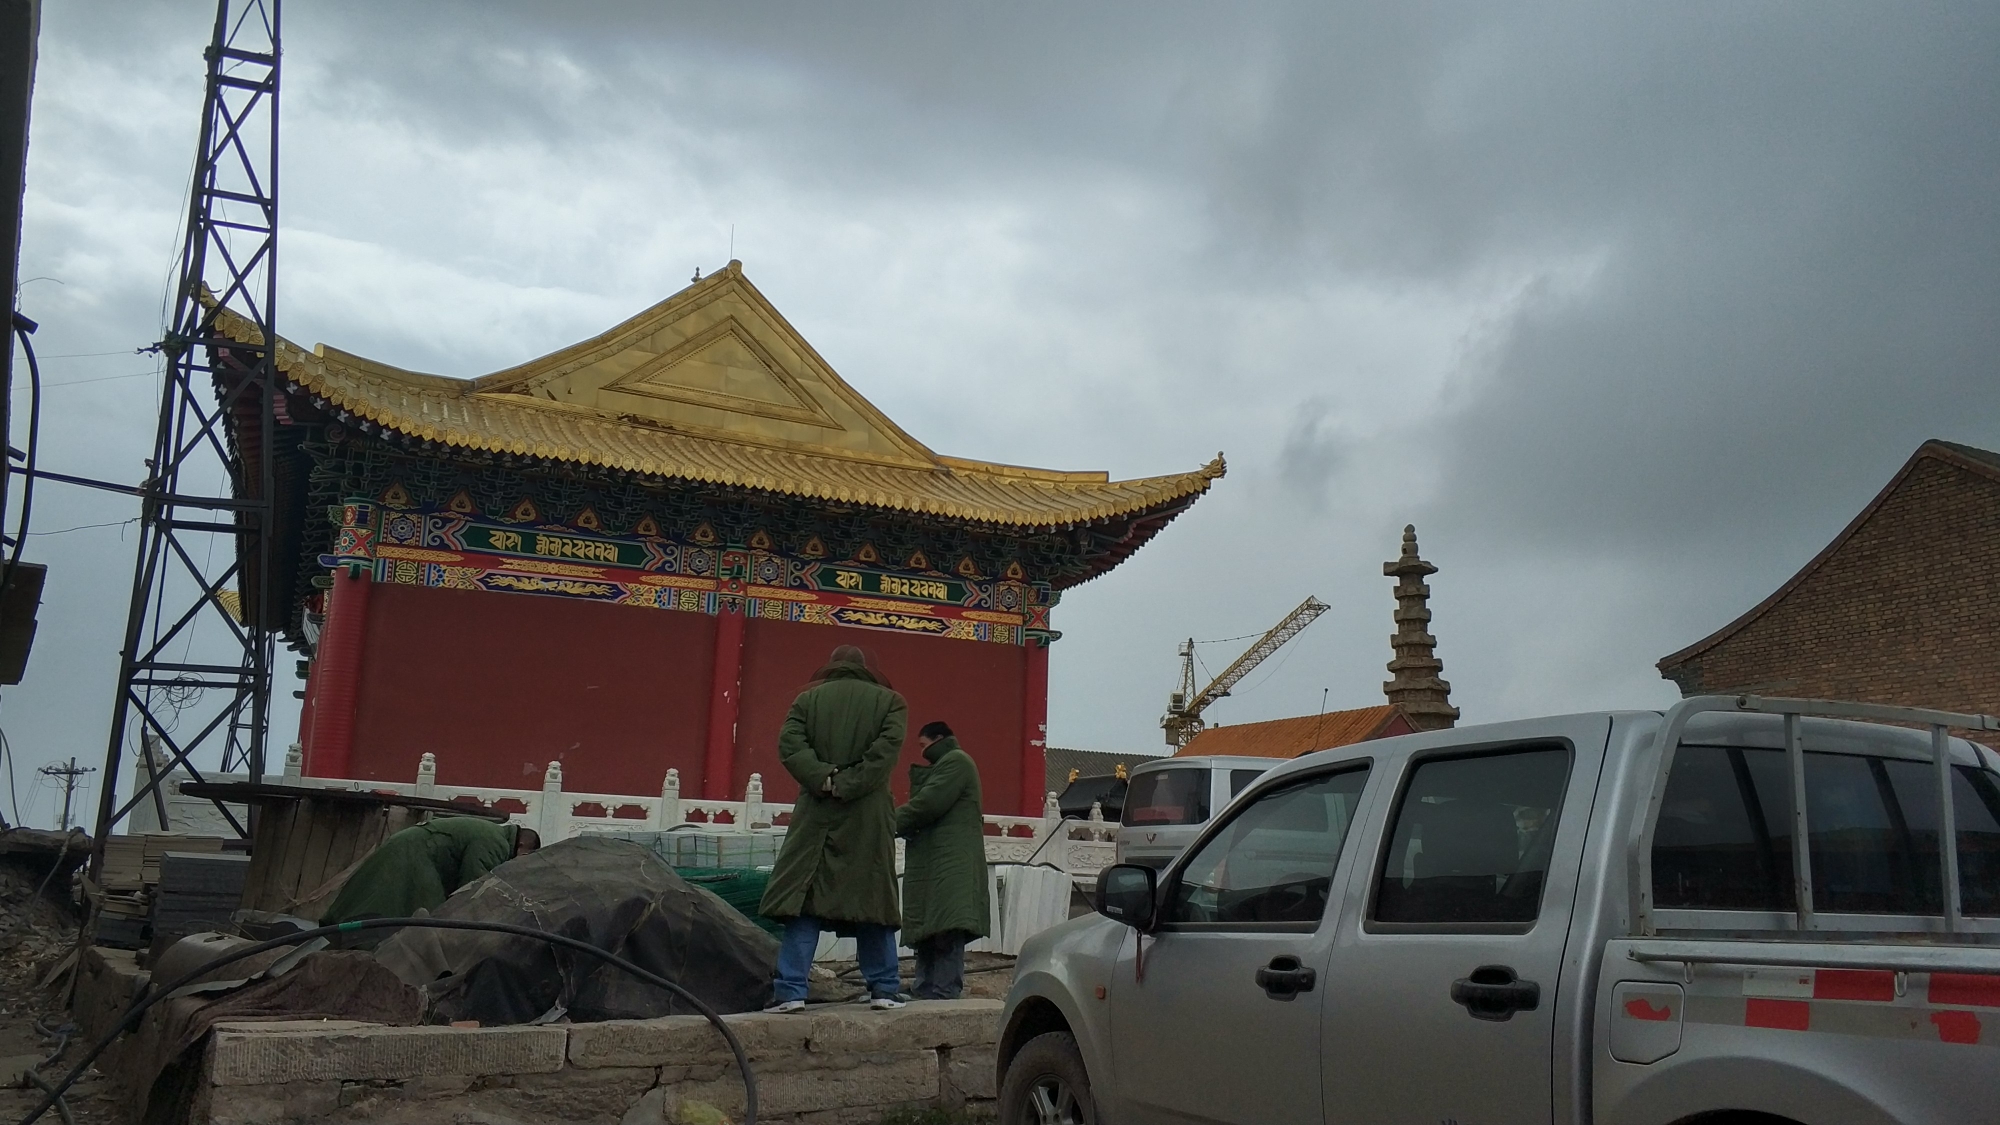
<point x="69" y="774"/>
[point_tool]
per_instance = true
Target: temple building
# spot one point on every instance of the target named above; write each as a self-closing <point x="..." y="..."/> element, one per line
<point x="629" y="555"/>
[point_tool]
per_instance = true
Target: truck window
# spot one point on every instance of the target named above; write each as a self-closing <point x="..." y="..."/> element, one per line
<point x="1239" y="780"/>
<point x="1273" y="862"/>
<point x="1472" y="838"/>
<point x="1724" y="836"/>
<point x="1174" y="796"/>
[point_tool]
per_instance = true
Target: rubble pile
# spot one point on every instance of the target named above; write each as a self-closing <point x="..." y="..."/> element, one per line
<point x="36" y="930"/>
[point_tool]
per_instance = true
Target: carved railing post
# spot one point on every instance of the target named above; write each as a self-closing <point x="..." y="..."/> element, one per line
<point x="295" y="763"/>
<point x="753" y="803"/>
<point x="427" y="775"/>
<point x="669" y="813"/>
<point x="554" y="811"/>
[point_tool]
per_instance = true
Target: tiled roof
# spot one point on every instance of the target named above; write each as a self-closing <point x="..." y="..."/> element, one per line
<point x="713" y="385"/>
<point x="1060" y="760"/>
<point x="1289" y="738"/>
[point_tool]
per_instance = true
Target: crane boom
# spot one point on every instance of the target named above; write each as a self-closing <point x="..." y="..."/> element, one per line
<point x="1183" y="719"/>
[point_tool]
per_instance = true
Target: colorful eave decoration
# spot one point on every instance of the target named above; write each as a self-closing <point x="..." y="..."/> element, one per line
<point x="456" y="552"/>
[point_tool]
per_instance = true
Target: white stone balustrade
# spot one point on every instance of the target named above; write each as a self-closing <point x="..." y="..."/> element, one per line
<point x="1081" y="848"/>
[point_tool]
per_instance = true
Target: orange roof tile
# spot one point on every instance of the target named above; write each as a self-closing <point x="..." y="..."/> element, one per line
<point x="1289" y="738"/>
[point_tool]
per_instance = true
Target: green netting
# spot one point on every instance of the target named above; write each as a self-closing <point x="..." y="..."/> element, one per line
<point x="740" y="887"/>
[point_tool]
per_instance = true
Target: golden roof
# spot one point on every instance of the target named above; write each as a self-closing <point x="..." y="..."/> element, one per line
<point x="712" y="385"/>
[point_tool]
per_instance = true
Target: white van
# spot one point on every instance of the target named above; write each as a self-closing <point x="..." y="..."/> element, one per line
<point x="1169" y="801"/>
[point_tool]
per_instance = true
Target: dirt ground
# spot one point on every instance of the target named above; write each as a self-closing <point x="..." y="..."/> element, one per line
<point x="36" y="934"/>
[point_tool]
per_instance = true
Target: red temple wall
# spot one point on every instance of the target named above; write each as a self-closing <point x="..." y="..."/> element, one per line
<point x="499" y="685"/>
<point x="976" y="686"/>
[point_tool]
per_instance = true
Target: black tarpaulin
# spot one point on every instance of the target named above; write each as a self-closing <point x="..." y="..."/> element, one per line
<point x="615" y="895"/>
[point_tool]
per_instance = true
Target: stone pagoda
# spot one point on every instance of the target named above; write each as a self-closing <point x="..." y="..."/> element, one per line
<point x="1416" y="686"/>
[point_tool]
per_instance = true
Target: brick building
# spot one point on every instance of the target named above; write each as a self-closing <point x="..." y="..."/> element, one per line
<point x="1903" y="607"/>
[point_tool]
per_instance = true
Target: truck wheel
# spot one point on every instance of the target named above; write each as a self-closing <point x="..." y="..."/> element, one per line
<point x="1047" y="1085"/>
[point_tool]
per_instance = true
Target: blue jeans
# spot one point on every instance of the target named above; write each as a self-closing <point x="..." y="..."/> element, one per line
<point x="875" y="947"/>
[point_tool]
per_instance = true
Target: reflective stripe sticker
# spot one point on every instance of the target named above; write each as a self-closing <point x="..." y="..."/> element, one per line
<point x="1785" y="1015"/>
<point x="1956" y="1027"/>
<point x="1869" y="1003"/>
<point x="1965" y="988"/>
<point x="1640" y="1008"/>
<point x="1853" y="984"/>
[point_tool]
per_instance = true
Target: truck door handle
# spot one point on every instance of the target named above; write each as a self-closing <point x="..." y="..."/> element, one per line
<point x="1284" y="978"/>
<point x="1494" y="992"/>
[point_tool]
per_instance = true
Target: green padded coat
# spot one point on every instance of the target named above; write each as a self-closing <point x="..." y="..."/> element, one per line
<point x="839" y="859"/>
<point x="420" y="866"/>
<point x="944" y="863"/>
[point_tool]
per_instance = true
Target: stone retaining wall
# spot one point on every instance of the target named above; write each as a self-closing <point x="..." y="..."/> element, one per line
<point x="826" y="1066"/>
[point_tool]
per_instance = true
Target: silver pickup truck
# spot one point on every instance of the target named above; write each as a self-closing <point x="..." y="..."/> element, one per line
<point x="1592" y="918"/>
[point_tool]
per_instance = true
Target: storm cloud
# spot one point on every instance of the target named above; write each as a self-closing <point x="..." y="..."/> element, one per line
<point x="1627" y="308"/>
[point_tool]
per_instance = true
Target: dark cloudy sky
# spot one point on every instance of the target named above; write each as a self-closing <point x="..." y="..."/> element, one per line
<point x="1627" y="307"/>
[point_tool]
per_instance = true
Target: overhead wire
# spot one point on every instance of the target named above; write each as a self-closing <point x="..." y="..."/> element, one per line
<point x="87" y="527"/>
<point x="103" y="379"/>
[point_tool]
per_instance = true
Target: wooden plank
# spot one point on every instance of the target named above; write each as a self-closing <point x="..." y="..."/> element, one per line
<point x="312" y="868"/>
<point x="285" y="883"/>
<point x="263" y="857"/>
<point x="268" y="859"/>
<point x="348" y="824"/>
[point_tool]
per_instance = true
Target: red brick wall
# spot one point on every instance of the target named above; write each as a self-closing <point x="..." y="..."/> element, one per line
<point x="1906" y="611"/>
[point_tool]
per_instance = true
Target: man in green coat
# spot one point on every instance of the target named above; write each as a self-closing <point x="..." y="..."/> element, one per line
<point x="419" y="867"/>
<point x="944" y="864"/>
<point x="837" y="870"/>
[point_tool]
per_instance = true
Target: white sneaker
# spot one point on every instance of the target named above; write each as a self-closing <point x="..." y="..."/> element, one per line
<point x="786" y="1007"/>
<point x="885" y="1003"/>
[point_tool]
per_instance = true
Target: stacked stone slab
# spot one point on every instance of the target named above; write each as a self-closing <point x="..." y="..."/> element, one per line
<point x="824" y="1067"/>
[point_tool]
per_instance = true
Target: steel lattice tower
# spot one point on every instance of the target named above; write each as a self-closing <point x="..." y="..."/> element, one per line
<point x="196" y="670"/>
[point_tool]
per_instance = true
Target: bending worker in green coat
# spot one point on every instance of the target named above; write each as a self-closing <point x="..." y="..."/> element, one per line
<point x="837" y="870"/>
<point x="944" y="864"/>
<point x="416" y="869"/>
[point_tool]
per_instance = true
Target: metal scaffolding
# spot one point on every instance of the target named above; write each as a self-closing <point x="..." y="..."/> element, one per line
<point x="196" y="670"/>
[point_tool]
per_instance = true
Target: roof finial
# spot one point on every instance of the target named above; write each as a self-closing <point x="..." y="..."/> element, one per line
<point x="1416" y="687"/>
<point x="697" y="275"/>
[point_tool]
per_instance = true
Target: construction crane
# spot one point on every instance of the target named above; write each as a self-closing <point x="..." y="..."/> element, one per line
<point x="1184" y="707"/>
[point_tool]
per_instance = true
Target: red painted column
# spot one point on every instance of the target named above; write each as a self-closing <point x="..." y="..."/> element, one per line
<point x="329" y="745"/>
<point x="725" y="696"/>
<point x="1034" y="729"/>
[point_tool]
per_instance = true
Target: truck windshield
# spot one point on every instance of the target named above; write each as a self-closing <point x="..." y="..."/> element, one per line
<point x="1175" y="796"/>
<point x="1724" y="837"/>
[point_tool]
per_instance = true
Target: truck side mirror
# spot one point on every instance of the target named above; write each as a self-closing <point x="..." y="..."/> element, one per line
<point x="1128" y="892"/>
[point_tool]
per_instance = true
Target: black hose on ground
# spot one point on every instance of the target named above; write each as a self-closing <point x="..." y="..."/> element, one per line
<point x="53" y="1095"/>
